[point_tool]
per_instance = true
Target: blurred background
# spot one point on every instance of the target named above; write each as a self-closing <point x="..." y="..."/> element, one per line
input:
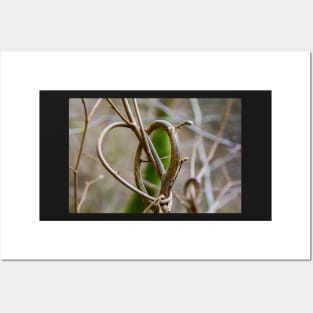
<point x="221" y="184"/>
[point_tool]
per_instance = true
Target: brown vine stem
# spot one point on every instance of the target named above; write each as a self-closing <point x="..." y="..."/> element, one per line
<point x="134" y="122"/>
<point x="115" y="173"/>
<point x="128" y="111"/>
<point x="147" y="144"/>
<point x="118" y="112"/>
<point x="131" y="122"/>
<point x="94" y="108"/>
<point x="183" y="201"/>
<point x="216" y="141"/>
<point x="141" y="127"/>
<point x="75" y="170"/>
<point x="168" y="178"/>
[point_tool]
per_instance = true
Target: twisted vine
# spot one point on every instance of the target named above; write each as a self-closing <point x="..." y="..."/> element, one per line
<point x="163" y="202"/>
<point x="167" y="177"/>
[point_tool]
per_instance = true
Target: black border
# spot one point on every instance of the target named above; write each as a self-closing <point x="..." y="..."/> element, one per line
<point x="256" y="156"/>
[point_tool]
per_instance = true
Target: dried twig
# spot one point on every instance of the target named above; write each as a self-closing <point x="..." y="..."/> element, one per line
<point x="87" y="186"/>
<point x="116" y="109"/>
<point x="178" y="118"/>
<point x="152" y="155"/>
<point x="216" y="142"/>
<point x="129" y="112"/>
<point x="224" y="190"/>
<point x="75" y="169"/>
<point x="232" y="195"/>
<point x="94" y="108"/>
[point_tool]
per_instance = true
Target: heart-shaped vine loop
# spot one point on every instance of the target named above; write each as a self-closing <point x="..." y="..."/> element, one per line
<point x="163" y="202"/>
<point x="165" y="197"/>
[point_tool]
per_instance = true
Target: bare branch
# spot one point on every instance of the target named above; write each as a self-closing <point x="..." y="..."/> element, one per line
<point x="87" y="186"/>
<point x="76" y="168"/>
<point x="94" y="108"/>
<point x="231" y="195"/>
<point x="199" y="147"/>
<point x="147" y="145"/>
<point x="224" y="190"/>
<point x="216" y="142"/>
<point x="178" y="118"/>
<point x="116" y="109"/>
<point x="128" y="111"/>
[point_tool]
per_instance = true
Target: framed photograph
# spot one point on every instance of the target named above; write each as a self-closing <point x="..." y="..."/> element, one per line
<point x="135" y="155"/>
<point x="201" y="175"/>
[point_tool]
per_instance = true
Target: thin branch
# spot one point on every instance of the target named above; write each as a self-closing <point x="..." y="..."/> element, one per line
<point x="216" y="142"/>
<point x="198" y="120"/>
<point x="196" y="111"/>
<point x="178" y="118"/>
<point x="193" y="171"/>
<point x="184" y="123"/>
<point x="94" y="108"/>
<point x="181" y="161"/>
<point x="181" y="199"/>
<point x="218" y="117"/>
<point x="199" y="145"/>
<point x="118" y="112"/>
<point x="226" y="142"/>
<point x="223" y="160"/>
<point x="161" y="209"/>
<point x="193" y="158"/>
<point x="83" y="137"/>
<point x="234" y="191"/>
<point x="147" y="146"/>
<point x="94" y="123"/>
<point x="148" y="208"/>
<point x="161" y="158"/>
<point x="92" y="157"/>
<point x="231" y="195"/>
<point x="208" y="187"/>
<point x="226" y="173"/>
<point x="128" y="111"/>
<point x="224" y="190"/>
<point x="141" y="134"/>
<point x="76" y="168"/>
<point x="72" y="169"/>
<point x="151" y="185"/>
<point x="88" y="184"/>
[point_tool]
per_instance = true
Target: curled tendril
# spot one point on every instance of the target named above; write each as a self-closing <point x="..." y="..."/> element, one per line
<point x="163" y="202"/>
<point x="167" y="177"/>
<point x="192" y="196"/>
